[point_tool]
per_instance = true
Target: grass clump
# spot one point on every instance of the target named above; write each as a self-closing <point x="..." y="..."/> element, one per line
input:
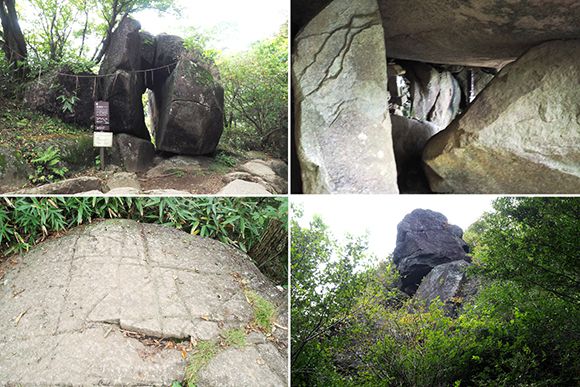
<point x="235" y="338"/>
<point x="203" y="354"/>
<point x="264" y="311"/>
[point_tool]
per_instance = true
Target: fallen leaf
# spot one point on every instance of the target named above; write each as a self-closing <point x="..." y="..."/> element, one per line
<point x="19" y="317"/>
<point x="183" y="354"/>
<point x="205" y="317"/>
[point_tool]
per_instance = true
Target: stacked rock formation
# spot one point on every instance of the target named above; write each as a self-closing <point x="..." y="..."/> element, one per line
<point x="425" y="242"/>
<point x="187" y="100"/>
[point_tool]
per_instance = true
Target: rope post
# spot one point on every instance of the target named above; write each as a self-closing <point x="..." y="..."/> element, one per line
<point x="102" y="157"/>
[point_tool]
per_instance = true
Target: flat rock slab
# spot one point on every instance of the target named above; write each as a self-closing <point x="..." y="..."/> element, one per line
<point x="242" y="187"/>
<point x="65" y="305"/>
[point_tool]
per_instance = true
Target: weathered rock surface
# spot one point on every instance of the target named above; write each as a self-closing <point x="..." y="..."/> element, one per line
<point x="242" y="187"/>
<point x="483" y="33"/>
<point x="189" y="109"/>
<point x="424" y="240"/>
<point x="124" y="88"/>
<point x="180" y="164"/>
<point x="114" y="276"/>
<point x="409" y="139"/>
<point x="435" y="94"/>
<point x="444" y="281"/>
<point x="67" y="187"/>
<point x="261" y="172"/>
<point x="123" y="179"/>
<point x="134" y="154"/>
<point x="339" y="76"/>
<point x="520" y="135"/>
<point x="13" y="169"/>
<point x="259" y="366"/>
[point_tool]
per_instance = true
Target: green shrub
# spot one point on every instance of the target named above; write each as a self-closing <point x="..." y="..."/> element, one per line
<point x="239" y="222"/>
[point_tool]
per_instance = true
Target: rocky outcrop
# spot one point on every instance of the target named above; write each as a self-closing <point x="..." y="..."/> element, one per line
<point x="520" y="135"/>
<point x="120" y="84"/>
<point x="265" y="173"/>
<point x="409" y="139"/>
<point x="187" y="99"/>
<point x="339" y="76"/>
<point x="483" y="33"/>
<point x="425" y="240"/>
<point x="45" y="94"/>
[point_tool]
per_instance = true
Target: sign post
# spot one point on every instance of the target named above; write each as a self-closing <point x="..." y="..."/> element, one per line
<point x="102" y="137"/>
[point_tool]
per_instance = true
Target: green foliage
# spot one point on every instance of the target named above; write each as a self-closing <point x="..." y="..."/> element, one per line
<point x="520" y="330"/>
<point x="235" y="221"/>
<point x="226" y="159"/>
<point x="264" y="311"/>
<point x="68" y="102"/>
<point x="256" y="93"/>
<point x="202" y="355"/>
<point x="47" y="166"/>
<point x="235" y="338"/>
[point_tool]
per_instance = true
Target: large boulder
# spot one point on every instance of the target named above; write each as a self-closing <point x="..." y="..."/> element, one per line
<point x="483" y="33"/>
<point x="521" y="133"/>
<point x="409" y="139"/>
<point x="424" y="240"/>
<point x="121" y="85"/>
<point x="45" y="94"/>
<point x="339" y="76"/>
<point x="189" y="109"/>
<point x="134" y="154"/>
<point x="443" y="282"/>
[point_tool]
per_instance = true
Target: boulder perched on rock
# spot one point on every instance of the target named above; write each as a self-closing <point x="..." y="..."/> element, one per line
<point x="409" y="139"/>
<point x="520" y="135"/>
<point x="188" y="112"/>
<point x="121" y="85"/>
<point x="424" y="240"/>
<point x="339" y="74"/>
<point x="121" y="302"/>
<point x="483" y="33"/>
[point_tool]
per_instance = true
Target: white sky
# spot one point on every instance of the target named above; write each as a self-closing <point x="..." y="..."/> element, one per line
<point x="380" y="214"/>
<point x="240" y="22"/>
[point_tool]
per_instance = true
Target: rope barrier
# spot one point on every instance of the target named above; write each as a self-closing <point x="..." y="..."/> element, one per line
<point x="167" y="66"/>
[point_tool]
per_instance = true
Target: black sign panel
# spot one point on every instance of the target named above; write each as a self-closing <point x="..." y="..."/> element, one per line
<point x="101" y="116"/>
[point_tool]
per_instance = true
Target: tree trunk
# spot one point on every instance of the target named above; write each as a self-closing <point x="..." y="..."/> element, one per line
<point x="14" y="45"/>
<point x="271" y="252"/>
